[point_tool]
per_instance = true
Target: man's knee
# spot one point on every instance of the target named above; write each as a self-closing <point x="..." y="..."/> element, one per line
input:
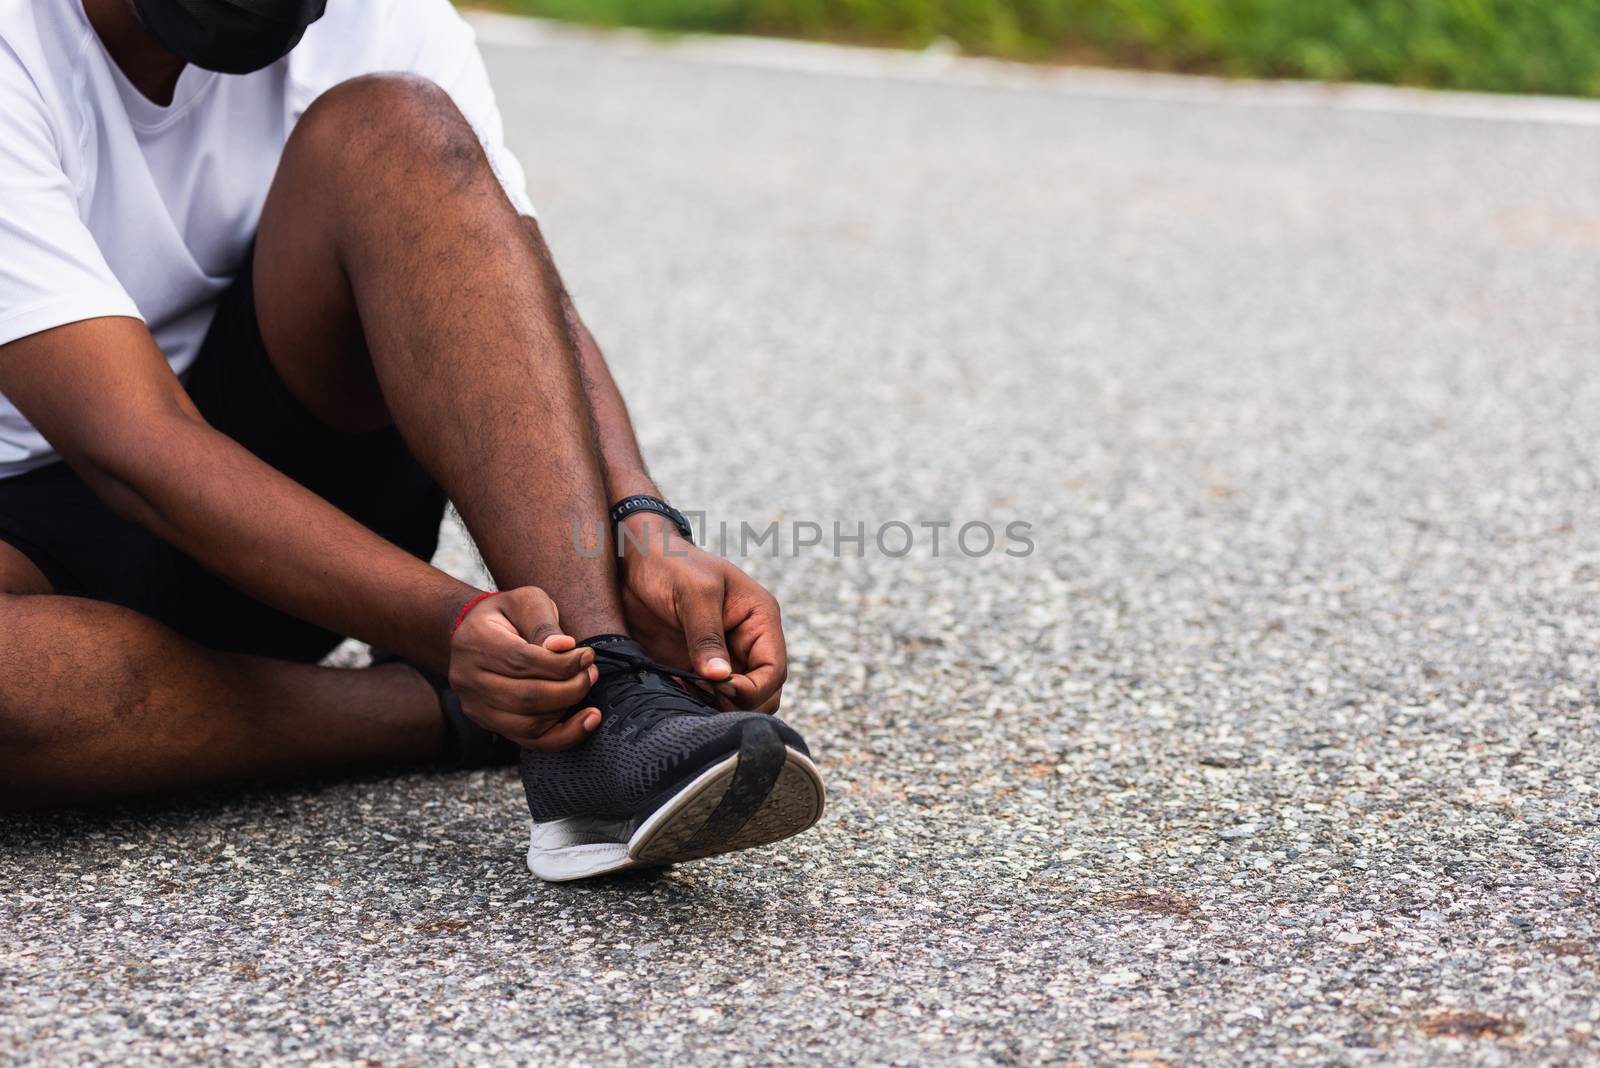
<point x="379" y="120"/>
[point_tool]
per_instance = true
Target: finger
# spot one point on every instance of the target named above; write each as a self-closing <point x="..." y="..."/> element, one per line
<point x="568" y="733"/>
<point x="744" y="693"/>
<point x="765" y="662"/>
<point x="520" y="729"/>
<point x="504" y="653"/>
<point x="700" y="614"/>
<point x="740" y="694"/>
<point x="533" y="697"/>
<point x="760" y="681"/>
<point x="525" y="730"/>
<point x="532" y="612"/>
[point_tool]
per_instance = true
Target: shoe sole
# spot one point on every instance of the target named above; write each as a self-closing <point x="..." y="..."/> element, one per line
<point x="761" y="794"/>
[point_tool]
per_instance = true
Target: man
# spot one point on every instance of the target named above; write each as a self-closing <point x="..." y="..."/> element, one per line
<point x="270" y="292"/>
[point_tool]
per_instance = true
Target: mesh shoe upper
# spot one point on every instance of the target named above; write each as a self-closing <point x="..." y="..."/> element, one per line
<point x="654" y="736"/>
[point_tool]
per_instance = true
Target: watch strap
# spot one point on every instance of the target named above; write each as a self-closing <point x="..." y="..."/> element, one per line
<point x="643" y="502"/>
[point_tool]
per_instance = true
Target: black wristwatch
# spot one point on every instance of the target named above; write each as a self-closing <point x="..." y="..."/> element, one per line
<point x="641" y="502"/>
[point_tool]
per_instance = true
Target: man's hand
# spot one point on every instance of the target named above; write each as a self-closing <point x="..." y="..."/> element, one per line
<point x="691" y="608"/>
<point x="517" y="674"/>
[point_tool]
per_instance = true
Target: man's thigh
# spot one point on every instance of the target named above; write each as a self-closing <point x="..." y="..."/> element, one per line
<point x="309" y="311"/>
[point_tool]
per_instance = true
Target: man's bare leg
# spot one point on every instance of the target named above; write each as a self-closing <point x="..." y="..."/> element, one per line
<point x="395" y="281"/>
<point x="96" y="700"/>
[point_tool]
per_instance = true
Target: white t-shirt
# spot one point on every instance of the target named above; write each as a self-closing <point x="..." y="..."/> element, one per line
<point x="112" y="205"/>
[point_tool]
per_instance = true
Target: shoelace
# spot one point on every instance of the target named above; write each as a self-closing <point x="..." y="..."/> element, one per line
<point x="645" y="705"/>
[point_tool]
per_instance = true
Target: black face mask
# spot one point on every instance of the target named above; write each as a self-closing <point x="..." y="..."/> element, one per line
<point x="231" y="36"/>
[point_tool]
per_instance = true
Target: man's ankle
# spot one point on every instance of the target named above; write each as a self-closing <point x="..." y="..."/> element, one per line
<point x="415" y="693"/>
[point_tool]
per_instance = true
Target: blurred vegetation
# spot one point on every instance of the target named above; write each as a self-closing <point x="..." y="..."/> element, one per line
<point x="1534" y="46"/>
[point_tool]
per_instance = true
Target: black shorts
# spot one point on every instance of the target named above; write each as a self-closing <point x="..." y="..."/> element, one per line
<point x="85" y="550"/>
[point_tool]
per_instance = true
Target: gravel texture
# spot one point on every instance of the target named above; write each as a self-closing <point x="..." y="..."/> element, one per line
<point x="1280" y="746"/>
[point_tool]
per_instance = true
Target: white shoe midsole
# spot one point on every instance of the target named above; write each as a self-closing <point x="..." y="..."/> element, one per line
<point x="581" y="846"/>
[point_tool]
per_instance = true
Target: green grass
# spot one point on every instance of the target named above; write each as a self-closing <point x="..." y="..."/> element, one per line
<point x="1518" y="46"/>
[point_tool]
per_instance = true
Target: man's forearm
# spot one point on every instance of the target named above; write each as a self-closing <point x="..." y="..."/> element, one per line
<point x="281" y="543"/>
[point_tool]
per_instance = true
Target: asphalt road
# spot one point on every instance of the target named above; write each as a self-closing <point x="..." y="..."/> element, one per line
<point x="1281" y="744"/>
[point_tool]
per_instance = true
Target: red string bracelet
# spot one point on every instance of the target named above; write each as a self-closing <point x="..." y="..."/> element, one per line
<point x="462" y="618"/>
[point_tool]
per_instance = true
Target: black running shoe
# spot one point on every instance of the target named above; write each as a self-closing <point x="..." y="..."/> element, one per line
<point x="666" y="777"/>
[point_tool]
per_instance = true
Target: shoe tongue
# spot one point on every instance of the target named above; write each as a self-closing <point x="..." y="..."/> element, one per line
<point x="625" y="647"/>
<point x="619" y="642"/>
<point x="615" y="669"/>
